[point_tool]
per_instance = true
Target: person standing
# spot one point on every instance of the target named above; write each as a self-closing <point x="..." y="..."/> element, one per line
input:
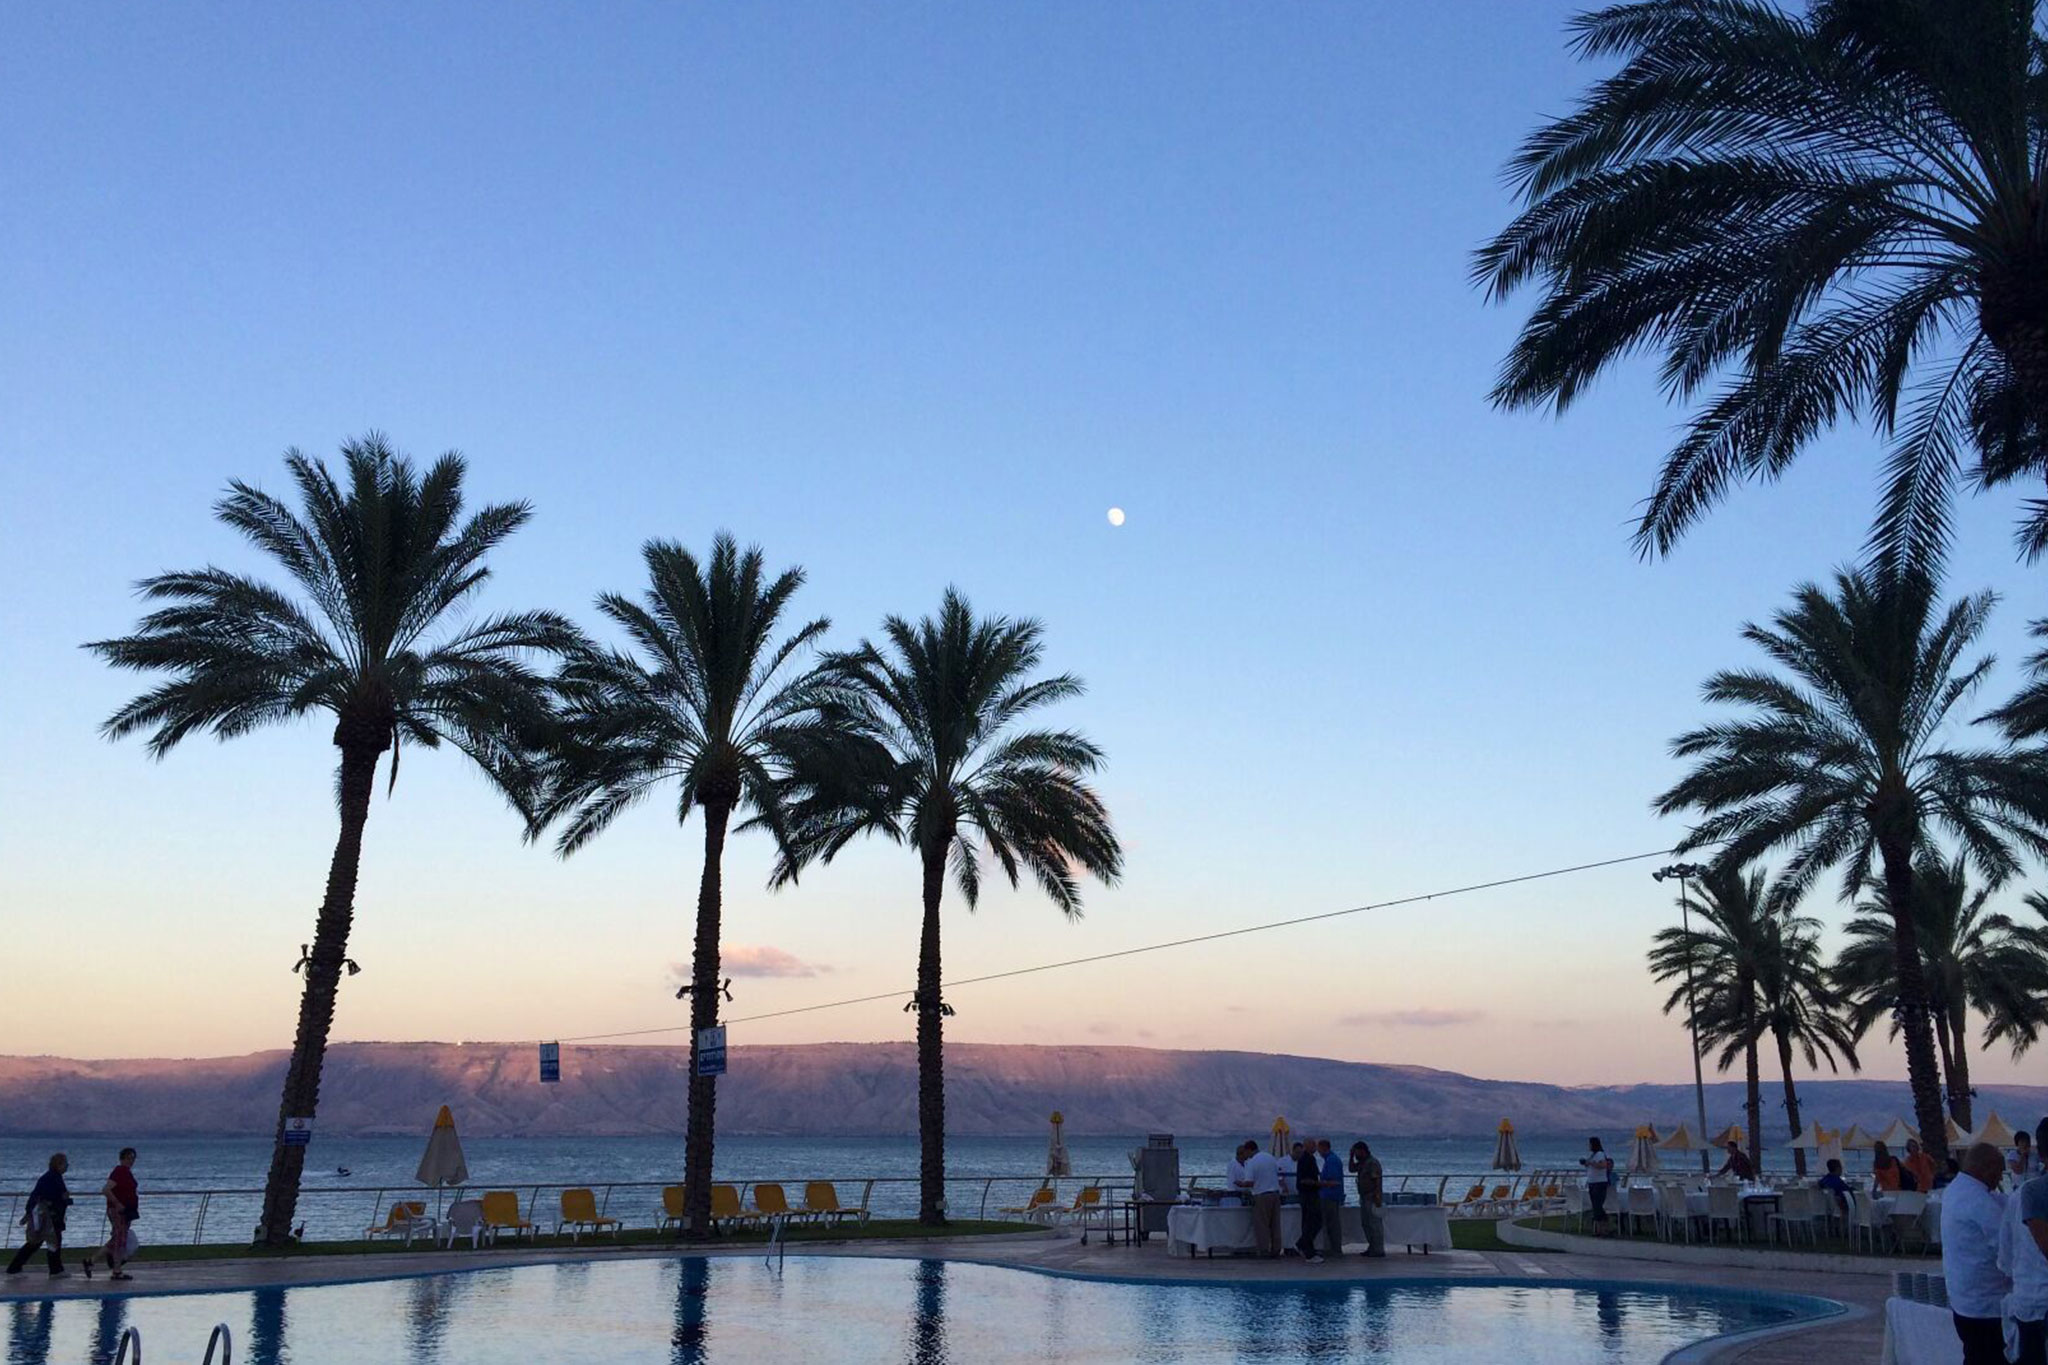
<point x="1972" y="1215"/>
<point x="1738" y="1164"/>
<point x="2024" y="1163"/>
<point x="45" y="1218"/>
<point x="1365" y="1168"/>
<point x="1262" y="1168"/>
<point x="1332" y="1176"/>
<point x="1920" y="1164"/>
<point x="2023" y="1255"/>
<point x="1884" y="1169"/>
<point x="1234" y="1174"/>
<point x="1599" y="1176"/>
<point x="1308" y="1179"/>
<point x="124" y="1206"/>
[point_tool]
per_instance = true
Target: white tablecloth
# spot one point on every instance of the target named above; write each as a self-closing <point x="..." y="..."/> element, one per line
<point x="1919" y="1334"/>
<point x="1930" y="1217"/>
<point x="1198" y="1228"/>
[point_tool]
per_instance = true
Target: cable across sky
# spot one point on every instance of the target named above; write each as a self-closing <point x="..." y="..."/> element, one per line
<point x="1148" y="947"/>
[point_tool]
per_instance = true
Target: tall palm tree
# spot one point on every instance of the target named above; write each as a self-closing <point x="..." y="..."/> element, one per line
<point x="1974" y="962"/>
<point x="377" y="637"/>
<point x="1716" y="966"/>
<point x="1799" y="1007"/>
<point x="1838" y="757"/>
<point x="1818" y="216"/>
<point x="706" y="697"/>
<point x="949" y="772"/>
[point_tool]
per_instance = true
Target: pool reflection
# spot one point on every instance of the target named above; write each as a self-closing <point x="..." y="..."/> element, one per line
<point x="928" y="1316"/>
<point x="28" y="1331"/>
<point x="689" y="1342"/>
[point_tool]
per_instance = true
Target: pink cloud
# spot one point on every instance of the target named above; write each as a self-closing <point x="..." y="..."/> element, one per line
<point x="741" y="959"/>
<point x="1416" y="1018"/>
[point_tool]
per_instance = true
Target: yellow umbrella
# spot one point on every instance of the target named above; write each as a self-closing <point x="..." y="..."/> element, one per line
<point x="1732" y="1133"/>
<point x="1993" y="1130"/>
<point x="1642" y="1157"/>
<point x="1281" y="1136"/>
<point x="1506" y="1155"/>
<point x="443" y="1165"/>
<point x="1681" y="1140"/>
<point x="1856" y="1140"/>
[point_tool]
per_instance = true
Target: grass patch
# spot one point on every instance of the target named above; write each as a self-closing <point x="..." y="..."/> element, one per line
<point x="1479" y="1234"/>
<point x="903" y="1229"/>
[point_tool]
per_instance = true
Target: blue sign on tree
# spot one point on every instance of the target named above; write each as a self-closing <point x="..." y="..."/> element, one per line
<point x="711" y="1051"/>
<point x="550" y="1063"/>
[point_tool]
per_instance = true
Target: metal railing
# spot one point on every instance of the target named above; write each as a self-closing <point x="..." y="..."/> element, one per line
<point x="338" y="1213"/>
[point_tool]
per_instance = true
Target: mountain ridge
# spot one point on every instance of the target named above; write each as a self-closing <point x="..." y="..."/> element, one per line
<point x="869" y="1089"/>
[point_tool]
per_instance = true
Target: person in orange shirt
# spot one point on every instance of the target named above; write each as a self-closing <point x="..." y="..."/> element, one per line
<point x="1884" y="1168"/>
<point x="1921" y="1165"/>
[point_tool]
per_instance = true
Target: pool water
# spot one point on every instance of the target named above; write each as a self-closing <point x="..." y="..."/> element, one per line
<point x="819" y="1309"/>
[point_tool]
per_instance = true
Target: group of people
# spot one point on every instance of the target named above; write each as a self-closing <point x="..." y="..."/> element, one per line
<point x="49" y="1201"/>
<point x="1994" y="1252"/>
<point x="1313" y="1177"/>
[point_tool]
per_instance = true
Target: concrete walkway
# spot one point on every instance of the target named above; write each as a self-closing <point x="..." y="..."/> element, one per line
<point x="1856" y="1338"/>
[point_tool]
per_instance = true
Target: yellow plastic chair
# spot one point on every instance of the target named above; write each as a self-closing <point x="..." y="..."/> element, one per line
<point x="402" y="1221"/>
<point x="501" y="1214"/>
<point x="1470" y="1203"/>
<point x="772" y="1201"/>
<point x="1038" y="1208"/>
<point x="579" y="1211"/>
<point x="674" y="1205"/>
<point x="821" y="1201"/>
<point x="1088" y="1201"/>
<point x="725" y="1207"/>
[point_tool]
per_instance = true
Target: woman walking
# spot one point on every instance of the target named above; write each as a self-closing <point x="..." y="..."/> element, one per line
<point x="45" y="1218"/>
<point x="124" y="1206"/>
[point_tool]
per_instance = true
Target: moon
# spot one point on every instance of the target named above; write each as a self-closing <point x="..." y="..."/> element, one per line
<point x="1116" y="516"/>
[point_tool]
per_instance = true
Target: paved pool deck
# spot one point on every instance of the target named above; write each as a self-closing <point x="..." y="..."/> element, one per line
<point x="1856" y="1337"/>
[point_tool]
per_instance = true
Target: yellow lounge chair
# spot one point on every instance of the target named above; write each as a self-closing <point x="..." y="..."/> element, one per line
<point x="725" y="1207"/>
<point x="772" y="1201"/>
<point x="1088" y="1201"/>
<point x="1039" y="1208"/>
<point x="579" y="1211"/>
<point x="501" y="1214"/>
<point x="1498" y="1201"/>
<point x="1470" y="1203"/>
<point x="675" y="1202"/>
<point x="407" y="1219"/>
<point x="821" y="1201"/>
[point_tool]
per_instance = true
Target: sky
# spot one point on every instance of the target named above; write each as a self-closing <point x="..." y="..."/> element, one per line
<point x="909" y="296"/>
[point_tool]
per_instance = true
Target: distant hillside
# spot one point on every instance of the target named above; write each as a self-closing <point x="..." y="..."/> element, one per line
<point x="844" y="1089"/>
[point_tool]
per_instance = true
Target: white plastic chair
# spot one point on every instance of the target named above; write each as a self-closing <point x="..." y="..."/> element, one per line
<point x="465" y="1218"/>
<point x="1909" y="1208"/>
<point x="1724" y="1205"/>
<point x="1864" y="1224"/>
<point x="1671" y="1211"/>
<point x="1796" y="1209"/>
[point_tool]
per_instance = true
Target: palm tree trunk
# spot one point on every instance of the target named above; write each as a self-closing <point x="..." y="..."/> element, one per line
<point x="1754" y="1094"/>
<point x="698" y="1139"/>
<point x="1791" y="1096"/>
<point x="316" y="1001"/>
<point x="931" y="1054"/>
<point x="1959" y="1102"/>
<point x="1915" y="1021"/>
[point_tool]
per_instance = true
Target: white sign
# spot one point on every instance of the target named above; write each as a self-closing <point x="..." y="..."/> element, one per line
<point x="298" y="1132"/>
<point x="711" y="1051"/>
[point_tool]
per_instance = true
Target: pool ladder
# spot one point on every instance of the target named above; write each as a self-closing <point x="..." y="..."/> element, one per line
<point x="776" y="1225"/>
<point x="130" y="1349"/>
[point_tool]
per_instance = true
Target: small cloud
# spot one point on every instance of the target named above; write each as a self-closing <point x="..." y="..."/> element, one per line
<point x="1144" y="1033"/>
<point x="1237" y="1009"/>
<point x="740" y="959"/>
<point x="1418" y="1018"/>
<point x="1100" y="1029"/>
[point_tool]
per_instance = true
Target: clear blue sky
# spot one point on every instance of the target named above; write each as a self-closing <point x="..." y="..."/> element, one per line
<point x="911" y="296"/>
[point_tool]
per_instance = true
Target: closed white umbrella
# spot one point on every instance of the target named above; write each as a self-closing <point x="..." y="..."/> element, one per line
<point x="1642" y="1158"/>
<point x="1056" y="1163"/>
<point x="1506" y="1155"/>
<point x="443" y="1165"/>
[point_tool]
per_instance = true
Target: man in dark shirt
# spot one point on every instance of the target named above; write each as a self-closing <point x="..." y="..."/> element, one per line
<point x="124" y="1206"/>
<point x="1308" y="1181"/>
<point x="1833" y="1183"/>
<point x="1738" y="1164"/>
<point x="45" y="1218"/>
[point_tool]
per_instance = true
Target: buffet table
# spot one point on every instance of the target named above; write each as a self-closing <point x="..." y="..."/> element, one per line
<point x="1203" y="1229"/>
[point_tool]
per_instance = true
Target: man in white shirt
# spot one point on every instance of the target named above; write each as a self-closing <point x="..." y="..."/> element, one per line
<point x="1972" y="1212"/>
<point x="2023" y="1254"/>
<point x="1263" y="1170"/>
<point x="1234" y="1176"/>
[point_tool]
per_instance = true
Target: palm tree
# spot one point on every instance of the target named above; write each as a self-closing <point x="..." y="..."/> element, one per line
<point x="707" y="698"/>
<point x="1722" y="960"/>
<point x="1972" y="961"/>
<point x="1799" y="1007"/>
<point x="949" y="772"/>
<point x="1811" y="217"/>
<point x="1838" y="758"/>
<point x="377" y="639"/>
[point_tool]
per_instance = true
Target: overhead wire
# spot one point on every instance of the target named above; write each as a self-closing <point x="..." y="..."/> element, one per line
<point x="1239" y="932"/>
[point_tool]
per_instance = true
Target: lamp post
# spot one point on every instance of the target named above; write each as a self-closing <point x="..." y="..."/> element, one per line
<point x="1685" y="872"/>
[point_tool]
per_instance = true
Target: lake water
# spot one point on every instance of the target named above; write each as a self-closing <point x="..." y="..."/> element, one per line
<point x="335" y="1205"/>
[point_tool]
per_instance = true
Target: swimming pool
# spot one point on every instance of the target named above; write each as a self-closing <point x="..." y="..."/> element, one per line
<point x="821" y="1309"/>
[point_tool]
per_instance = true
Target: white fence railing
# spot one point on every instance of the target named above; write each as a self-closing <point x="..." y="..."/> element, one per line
<point x="227" y="1217"/>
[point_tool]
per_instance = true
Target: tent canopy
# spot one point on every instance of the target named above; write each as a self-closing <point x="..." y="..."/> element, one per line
<point x="1993" y="1130"/>
<point x="1681" y="1140"/>
<point x="1856" y="1140"/>
<point x="1732" y="1133"/>
<point x="1896" y="1135"/>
